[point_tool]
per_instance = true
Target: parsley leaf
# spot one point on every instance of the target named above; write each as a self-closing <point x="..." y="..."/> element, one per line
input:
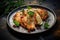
<point x="31" y="13"/>
<point x="16" y="23"/>
<point x="46" y="25"/>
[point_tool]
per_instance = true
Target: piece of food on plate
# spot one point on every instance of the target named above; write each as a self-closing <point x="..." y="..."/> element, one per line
<point x="38" y="18"/>
<point x="43" y="13"/>
<point x="31" y="26"/>
<point x="27" y="21"/>
<point x="24" y="19"/>
<point x="17" y="16"/>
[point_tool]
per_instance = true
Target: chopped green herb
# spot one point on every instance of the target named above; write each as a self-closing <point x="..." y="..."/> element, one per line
<point x="31" y="13"/>
<point x="28" y="7"/>
<point x="46" y="25"/>
<point x="16" y="23"/>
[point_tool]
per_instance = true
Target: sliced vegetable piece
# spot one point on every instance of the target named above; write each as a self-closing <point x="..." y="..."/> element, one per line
<point x="16" y="22"/>
<point x="46" y="25"/>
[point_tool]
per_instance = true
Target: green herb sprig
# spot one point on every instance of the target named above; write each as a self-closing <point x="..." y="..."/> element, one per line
<point x="16" y="23"/>
<point x="46" y="25"/>
<point x="31" y="13"/>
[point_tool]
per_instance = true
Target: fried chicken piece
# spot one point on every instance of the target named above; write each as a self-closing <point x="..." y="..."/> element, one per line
<point x="43" y="13"/>
<point x="31" y="26"/>
<point x="38" y="18"/>
<point x="17" y="16"/>
<point x="27" y="21"/>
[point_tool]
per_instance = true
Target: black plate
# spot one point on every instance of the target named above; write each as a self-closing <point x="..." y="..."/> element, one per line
<point x="34" y="6"/>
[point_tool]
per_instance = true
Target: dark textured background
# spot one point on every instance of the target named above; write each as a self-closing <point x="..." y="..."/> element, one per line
<point x="54" y="35"/>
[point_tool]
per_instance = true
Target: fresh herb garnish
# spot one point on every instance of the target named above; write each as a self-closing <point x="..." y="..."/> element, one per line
<point x="16" y="23"/>
<point x="46" y="25"/>
<point x="28" y="7"/>
<point x="31" y="13"/>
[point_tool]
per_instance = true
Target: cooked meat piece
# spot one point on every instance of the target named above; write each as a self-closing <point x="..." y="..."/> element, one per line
<point x="43" y="13"/>
<point x="17" y="16"/>
<point x="29" y="22"/>
<point x="31" y="26"/>
<point x="38" y="18"/>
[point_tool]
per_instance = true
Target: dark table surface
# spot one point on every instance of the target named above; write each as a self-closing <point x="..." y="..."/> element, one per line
<point x="53" y="35"/>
